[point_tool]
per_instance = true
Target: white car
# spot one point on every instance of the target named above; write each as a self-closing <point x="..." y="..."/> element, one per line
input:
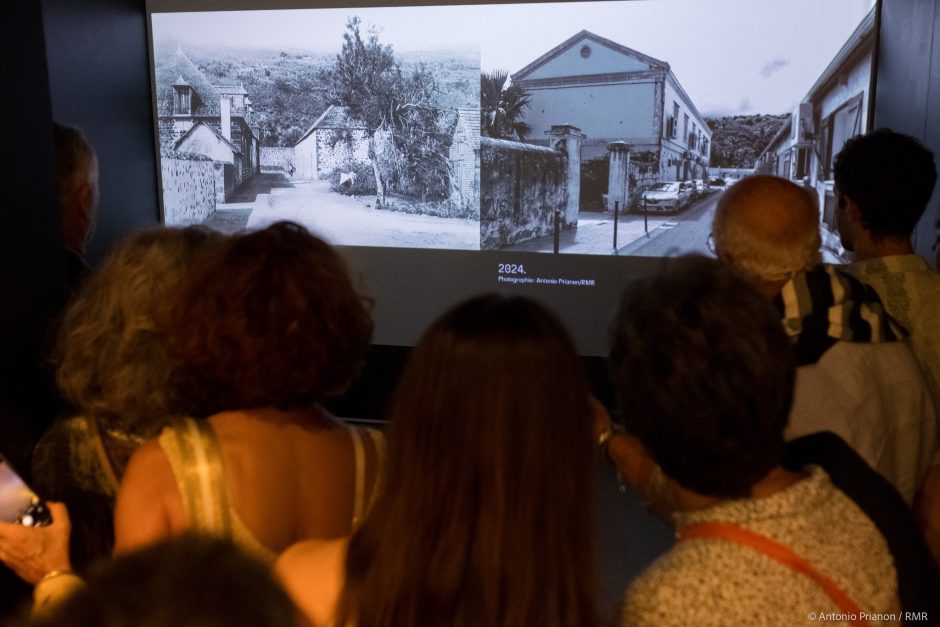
<point x="667" y="196"/>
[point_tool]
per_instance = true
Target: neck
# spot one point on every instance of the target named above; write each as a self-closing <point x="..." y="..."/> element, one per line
<point x="773" y="482"/>
<point x="872" y="248"/>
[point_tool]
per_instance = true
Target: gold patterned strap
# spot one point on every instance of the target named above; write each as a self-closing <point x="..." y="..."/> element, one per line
<point x="101" y="453"/>
<point x="196" y="460"/>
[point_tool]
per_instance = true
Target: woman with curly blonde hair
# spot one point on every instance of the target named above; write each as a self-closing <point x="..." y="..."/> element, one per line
<point x="113" y="369"/>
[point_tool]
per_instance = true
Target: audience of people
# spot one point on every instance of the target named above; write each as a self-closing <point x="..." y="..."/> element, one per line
<point x="780" y="412"/>
<point x="485" y="514"/>
<point x="268" y="325"/>
<point x="858" y="376"/>
<point x="705" y="376"/>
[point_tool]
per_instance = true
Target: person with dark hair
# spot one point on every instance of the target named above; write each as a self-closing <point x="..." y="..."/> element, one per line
<point x="858" y="375"/>
<point x="485" y="514"/>
<point x="76" y="168"/>
<point x="191" y="580"/>
<point x="705" y="376"/>
<point x="267" y="326"/>
<point x="883" y="182"/>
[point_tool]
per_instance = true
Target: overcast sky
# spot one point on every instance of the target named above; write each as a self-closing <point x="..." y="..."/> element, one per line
<point x="731" y="56"/>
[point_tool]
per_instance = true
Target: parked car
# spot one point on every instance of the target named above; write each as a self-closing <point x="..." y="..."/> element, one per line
<point x="667" y="196"/>
<point x="701" y="187"/>
<point x="718" y="183"/>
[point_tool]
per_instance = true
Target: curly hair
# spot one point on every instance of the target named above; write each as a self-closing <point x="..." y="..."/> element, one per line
<point x="890" y="176"/>
<point x="111" y="362"/>
<point x="705" y="373"/>
<point x="270" y="318"/>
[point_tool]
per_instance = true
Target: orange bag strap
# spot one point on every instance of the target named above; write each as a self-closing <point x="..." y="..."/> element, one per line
<point x="782" y="554"/>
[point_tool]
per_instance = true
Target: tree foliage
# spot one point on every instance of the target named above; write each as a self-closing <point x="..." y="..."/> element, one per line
<point x="738" y="140"/>
<point x="409" y="134"/>
<point x="502" y="112"/>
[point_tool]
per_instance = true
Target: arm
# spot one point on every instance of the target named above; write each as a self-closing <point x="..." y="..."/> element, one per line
<point x="309" y="561"/>
<point x="927" y="510"/>
<point x="141" y="514"/>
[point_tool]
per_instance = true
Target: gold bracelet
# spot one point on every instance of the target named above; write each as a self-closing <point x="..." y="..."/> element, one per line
<point x="609" y="432"/>
<point x="53" y="574"/>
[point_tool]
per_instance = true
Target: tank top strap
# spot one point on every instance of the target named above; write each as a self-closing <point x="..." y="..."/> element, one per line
<point x="194" y="455"/>
<point x="362" y="505"/>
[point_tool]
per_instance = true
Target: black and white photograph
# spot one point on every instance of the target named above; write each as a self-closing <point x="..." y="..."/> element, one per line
<point x="613" y="127"/>
<point x="599" y="128"/>
<point x="355" y="123"/>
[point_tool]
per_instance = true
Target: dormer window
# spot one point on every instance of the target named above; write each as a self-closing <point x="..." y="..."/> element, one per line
<point x="182" y="97"/>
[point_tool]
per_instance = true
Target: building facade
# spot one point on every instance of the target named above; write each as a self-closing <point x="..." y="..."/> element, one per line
<point x="835" y="109"/>
<point x="196" y="117"/>
<point x="614" y="93"/>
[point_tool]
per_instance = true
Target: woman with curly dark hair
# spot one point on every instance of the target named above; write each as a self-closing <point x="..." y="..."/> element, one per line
<point x="268" y="325"/>
<point x="485" y="518"/>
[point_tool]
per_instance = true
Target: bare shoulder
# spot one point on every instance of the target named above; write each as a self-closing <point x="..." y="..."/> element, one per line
<point x="313" y="572"/>
<point x="144" y="511"/>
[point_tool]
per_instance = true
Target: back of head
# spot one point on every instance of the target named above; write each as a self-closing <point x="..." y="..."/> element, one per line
<point x="189" y="581"/>
<point x="768" y="228"/>
<point x="111" y="361"/>
<point x="705" y="375"/>
<point x="485" y="515"/>
<point x="77" y="180"/>
<point x="890" y="177"/>
<point x="270" y="318"/>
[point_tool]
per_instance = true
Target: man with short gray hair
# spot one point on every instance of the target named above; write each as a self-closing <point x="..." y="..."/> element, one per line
<point x="858" y="376"/>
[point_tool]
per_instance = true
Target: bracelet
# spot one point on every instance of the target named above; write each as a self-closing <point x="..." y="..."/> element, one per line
<point x="53" y="574"/>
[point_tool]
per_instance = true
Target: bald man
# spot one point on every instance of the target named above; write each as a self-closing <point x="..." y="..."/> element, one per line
<point x="858" y="376"/>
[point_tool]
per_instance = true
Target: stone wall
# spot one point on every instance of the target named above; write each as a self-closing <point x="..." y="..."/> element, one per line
<point x="521" y="187"/>
<point x="276" y="158"/>
<point x="189" y="188"/>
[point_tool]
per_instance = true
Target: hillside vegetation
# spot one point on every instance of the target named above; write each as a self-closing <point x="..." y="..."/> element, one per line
<point x="738" y="140"/>
<point x="287" y="88"/>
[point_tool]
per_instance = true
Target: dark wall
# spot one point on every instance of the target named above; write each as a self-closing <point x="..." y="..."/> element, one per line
<point x="908" y="87"/>
<point x="99" y="80"/>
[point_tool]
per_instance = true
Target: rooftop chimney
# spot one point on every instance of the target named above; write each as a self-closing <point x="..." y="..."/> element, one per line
<point x="225" y="105"/>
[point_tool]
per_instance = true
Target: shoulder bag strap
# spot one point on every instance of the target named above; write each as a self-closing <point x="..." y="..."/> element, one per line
<point x="780" y="553"/>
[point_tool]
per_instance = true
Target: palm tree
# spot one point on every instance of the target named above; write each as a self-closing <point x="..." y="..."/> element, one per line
<point x="502" y="107"/>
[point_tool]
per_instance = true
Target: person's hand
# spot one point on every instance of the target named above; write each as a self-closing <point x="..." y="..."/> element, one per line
<point x="34" y="552"/>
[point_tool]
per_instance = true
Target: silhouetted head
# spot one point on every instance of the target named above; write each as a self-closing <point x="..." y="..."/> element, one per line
<point x="768" y="228"/>
<point x="883" y="182"/>
<point x="188" y="581"/>
<point x="705" y="373"/>
<point x="77" y="178"/>
<point x="484" y="516"/>
<point x="111" y="360"/>
<point x="268" y="319"/>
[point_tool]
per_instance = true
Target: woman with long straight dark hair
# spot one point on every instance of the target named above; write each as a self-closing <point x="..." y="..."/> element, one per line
<point x="484" y="518"/>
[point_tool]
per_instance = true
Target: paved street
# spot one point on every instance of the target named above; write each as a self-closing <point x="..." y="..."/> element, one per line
<point x="353" y="220"/>
<point x="686" y="233"/>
